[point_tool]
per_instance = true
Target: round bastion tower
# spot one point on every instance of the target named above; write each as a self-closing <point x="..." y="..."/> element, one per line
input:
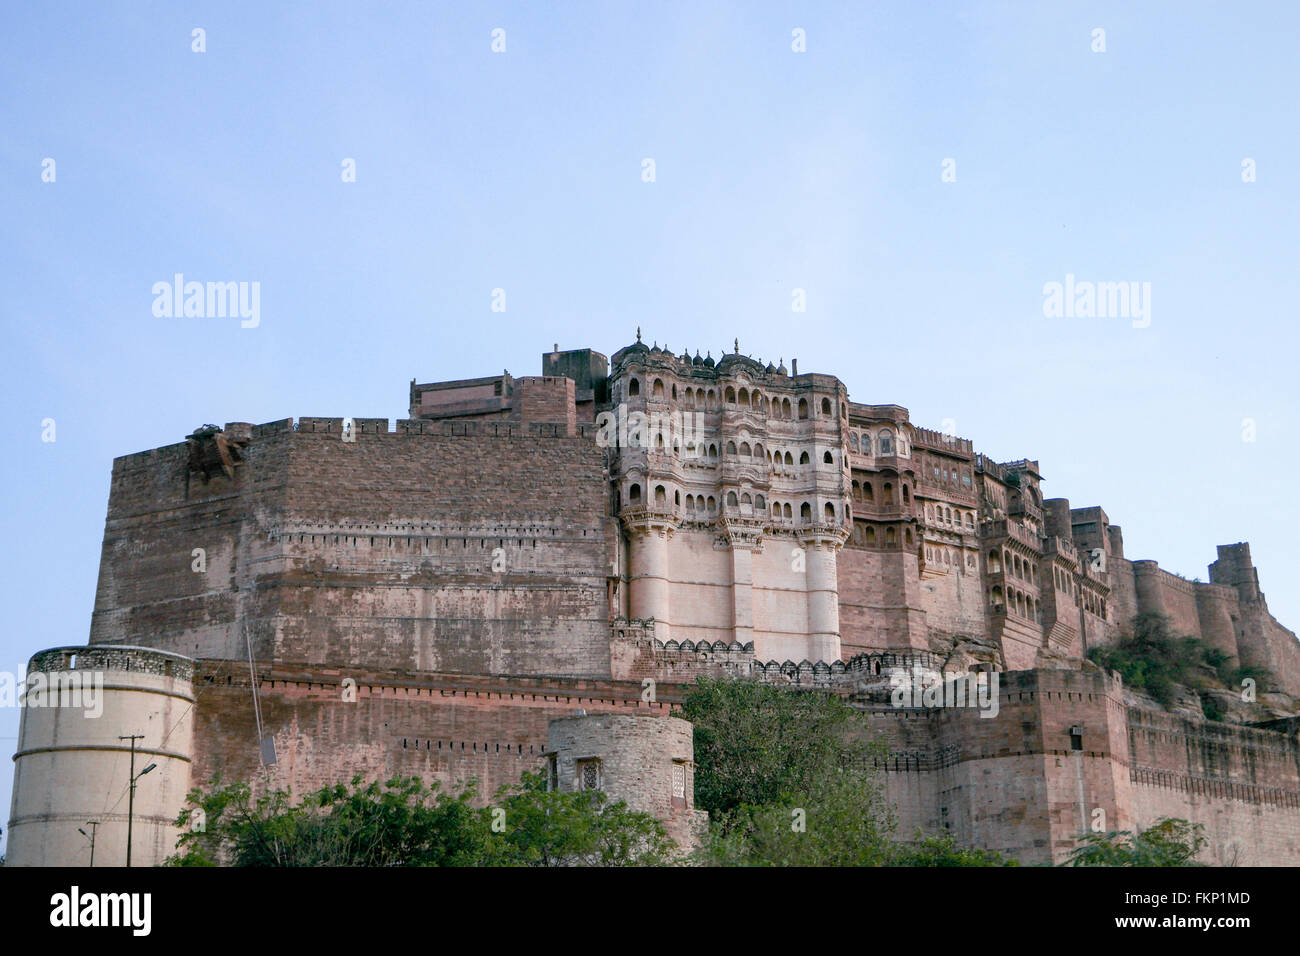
<point x="73" y="769"/>
<point x="646" y="761"/>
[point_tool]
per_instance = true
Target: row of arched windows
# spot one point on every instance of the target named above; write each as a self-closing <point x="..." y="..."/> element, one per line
<point x="865" y="491"/>
<point x="1015" y="565"/>
<point x="731" y="397"/>
<point x="943" y="514"/>
<point x="1017" y="603"/>
<point x="947" y="557"/>
<point x="1091" y="603"/>
<point x="866" y="536"/>
<point x="944" y="476"/>
<point x="702" y="504"/>
<point x="883" y="444"/>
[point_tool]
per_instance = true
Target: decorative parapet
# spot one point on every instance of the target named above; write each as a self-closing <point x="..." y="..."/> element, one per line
<point x="868" y="667"/>
<point x="112" y="657"/>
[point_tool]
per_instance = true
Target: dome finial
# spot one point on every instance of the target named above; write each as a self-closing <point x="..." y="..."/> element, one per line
<point x="737" y="344"/>
<point x="638" y="333"/>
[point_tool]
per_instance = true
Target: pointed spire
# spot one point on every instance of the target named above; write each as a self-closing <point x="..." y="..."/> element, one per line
<point x="638" y="333"/>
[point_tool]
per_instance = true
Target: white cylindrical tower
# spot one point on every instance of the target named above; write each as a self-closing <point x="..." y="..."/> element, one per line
<point x="73" y="768"/>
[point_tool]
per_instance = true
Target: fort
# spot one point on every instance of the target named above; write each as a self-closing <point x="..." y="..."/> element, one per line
<point x="300" y="601"/>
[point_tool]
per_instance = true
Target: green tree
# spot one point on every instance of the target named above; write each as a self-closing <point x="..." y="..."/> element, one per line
<point x="402" y="822"/>
<point x="538" y="827"/>
<point x="758" y="744"/>
<point x="1169" y="842"/>
<point x="942" y="850"/>
<point x="405" y="822"/>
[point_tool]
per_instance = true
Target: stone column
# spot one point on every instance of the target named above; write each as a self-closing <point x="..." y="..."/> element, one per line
<point x="648" y="569"/>
<point x="744" y="536"/>
<point x="821" y="548"/>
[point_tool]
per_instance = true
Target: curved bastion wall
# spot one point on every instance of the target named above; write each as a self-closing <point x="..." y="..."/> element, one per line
<point x="72" y="769"/>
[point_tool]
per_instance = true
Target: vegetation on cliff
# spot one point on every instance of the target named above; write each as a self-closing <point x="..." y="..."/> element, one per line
<point x="1152" y="658"/>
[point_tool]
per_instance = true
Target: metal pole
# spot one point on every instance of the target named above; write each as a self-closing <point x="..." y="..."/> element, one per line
<point x="130" y="804"/>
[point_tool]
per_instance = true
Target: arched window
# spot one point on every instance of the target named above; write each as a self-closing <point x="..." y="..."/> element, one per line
<point x="690" y="502"/>
<point x="731" y="499"/>
<point x="633" y="388"/>
<point x="891" y="536"/>
<point x="995" y="597"/>
<point x="745" y="499"/>
<point x="760" y="503"/>
<point x="870" y="536"/>
<point x="710" y="399"/>
<point x="803" y="458"/>
<point x="731" y="448"/>
<point x="866" y="444"/>
<point x="886" y="442"/>
<point x="805" y="513"/>
<point x="730" y="396"/>
<point x="887" y="493"/>
<point x="658" y="390"/>
<point x="830" y="511"/>
<point x="661" y="496"/>
<point x="776" y="510"/>
<point x="826" y="407"/>
<point x="785" y="408"/>
<point x="785" y="509"/>
<point x="674" y="393"/>
<point x="868" y="491"/>
<point x="995" y="562"/>
<point x="758" y="450"/>
<point x="857" y="489"/>
<point x="909" y="537"/>
<point x="713" y="505"/>
<point x="743" y="396"/>
<point x="789" y="459"/>
<point x="677" y="497"/>
<point x="803" y="408"/>
<point x="853" y="441"/>
<point x="634" y="493"/>
<point x="906" y="499"/>
<point x="827" y="459"/>
<point x="756" y="401"/>
<point x="744" y="449"/>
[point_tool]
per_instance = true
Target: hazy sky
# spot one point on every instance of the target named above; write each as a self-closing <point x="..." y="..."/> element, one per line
<point x="774" y="170"/>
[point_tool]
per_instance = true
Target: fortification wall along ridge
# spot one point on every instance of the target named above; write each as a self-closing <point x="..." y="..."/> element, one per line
<point x="655" y="517"/>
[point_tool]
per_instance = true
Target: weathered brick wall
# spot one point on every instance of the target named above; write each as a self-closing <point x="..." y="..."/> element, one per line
<point x="449" y="546"/>
<point x="448" y="728"/>
<point x="1242" y="784"/>
<point x="880" y="601"/>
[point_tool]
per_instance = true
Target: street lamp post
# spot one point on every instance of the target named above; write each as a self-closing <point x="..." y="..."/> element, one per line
<point x="94" y="825"/>
<point x="130" y="804"/>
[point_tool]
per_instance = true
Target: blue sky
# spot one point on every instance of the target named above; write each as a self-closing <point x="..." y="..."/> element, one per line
<point x="775" y="170"/>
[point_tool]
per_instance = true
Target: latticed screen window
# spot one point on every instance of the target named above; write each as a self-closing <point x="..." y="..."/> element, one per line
<point x="589" y="774"/>
<point x="679" y="786"/>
